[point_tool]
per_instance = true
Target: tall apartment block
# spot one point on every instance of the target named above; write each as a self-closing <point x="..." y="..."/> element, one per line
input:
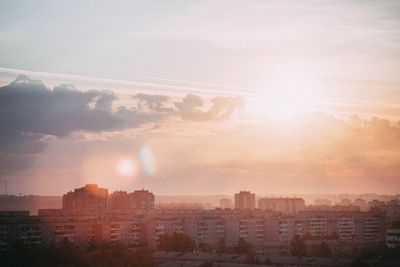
<point x="141" y="200"/>
<point x="245" y="200"/>
<point x="89" y="199"/>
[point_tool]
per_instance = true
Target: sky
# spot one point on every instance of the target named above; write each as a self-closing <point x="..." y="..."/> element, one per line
<point x="200" y="97"/>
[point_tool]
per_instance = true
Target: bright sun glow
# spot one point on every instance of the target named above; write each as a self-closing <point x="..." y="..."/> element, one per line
<point x="126" y="167"/>
<point x="291" y="91"/>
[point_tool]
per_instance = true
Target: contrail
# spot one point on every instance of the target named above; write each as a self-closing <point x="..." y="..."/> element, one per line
<point x="178" y="88"/>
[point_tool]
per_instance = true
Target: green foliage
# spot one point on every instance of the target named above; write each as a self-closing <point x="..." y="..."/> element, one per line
<point x="298" y="246"/>
<point x="176" y="242"/>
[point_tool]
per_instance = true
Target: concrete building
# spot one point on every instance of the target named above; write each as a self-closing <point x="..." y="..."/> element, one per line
<point x="225" y="203"/>
<point x="284" y="205"/>
<point x="282" y="229"/>
<point x="155" y="227"/>
<point x="345" y="202"/>
<point x="119" y="200"/>
<point x="252" y="230"/>
<point x="245" y="200"/>
<point x="355" y="226"/>
<point x="18" y="226"/>
<point x="88" y="199"/>
<point x="363" y="204"/>
<point x="266" y="230"/>
<point x="141" y="200"/>
<point x="127" y="230"/>
<point x="392" y="238"/>
<point x="322" y="202"/>
<point x="210" y="230"/>
<point x="346" y="227"/>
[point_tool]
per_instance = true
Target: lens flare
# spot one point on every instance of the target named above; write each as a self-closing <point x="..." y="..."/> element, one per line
<point x="147" y="160"/>
<point x="126" y="167"/>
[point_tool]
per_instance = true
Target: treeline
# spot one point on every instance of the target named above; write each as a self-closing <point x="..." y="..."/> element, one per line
<point x="67" y="254"/>
<point x="298" y="247"/>
<point x="182" y="243"/>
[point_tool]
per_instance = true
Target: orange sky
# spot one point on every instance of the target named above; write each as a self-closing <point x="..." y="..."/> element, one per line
<point x="201" y="97"/>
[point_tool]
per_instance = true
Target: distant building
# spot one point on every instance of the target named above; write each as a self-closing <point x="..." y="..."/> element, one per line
<point x="225" y="203"/>
<point x="119" y="200"/>
<point x="85" y="200"/>
<point x="322" y="202"/>
<point x="285" y="205"/>
<point x="345" y="202"/>
<point x="142" y="200"/>
<point x="184" y="205"/>
<point x="361" y="203"/>
<point x="245" y="200"/>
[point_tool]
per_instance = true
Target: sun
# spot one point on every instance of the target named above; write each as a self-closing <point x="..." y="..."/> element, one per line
<point x="126" y="167"/>
<point x="290" y="92"/>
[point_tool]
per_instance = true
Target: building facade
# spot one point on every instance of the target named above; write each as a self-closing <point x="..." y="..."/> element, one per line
<point x="245" y="200"/>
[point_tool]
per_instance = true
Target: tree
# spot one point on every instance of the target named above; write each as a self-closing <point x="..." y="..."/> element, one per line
<point x="68" y="254"/>
<point x="176" y="242"/>
<point x="322" y="250"/>
<point x="268" y="261"/>
<point x="221" y="245"/>
<point x="298" y="246"/>
<point x="243" y="247"/>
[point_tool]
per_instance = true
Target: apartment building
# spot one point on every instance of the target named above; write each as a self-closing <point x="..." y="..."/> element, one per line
<point x="245" y="200"/>
<point x="392" y="238"/>
<point x="141" y="200"/>
<point x="89" y="199"/>
<point x="18" y="226"/>
<point x="284" y="205"/>
<point x="210" y="230"/>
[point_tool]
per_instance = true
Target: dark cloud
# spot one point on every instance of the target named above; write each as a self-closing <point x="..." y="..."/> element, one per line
<point x="28" y="106"/>
<point x="191" y="108"/>
<point x="30" y="112"/>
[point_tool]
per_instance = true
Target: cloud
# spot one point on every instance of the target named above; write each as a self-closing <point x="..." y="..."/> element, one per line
<point x="190" y="108"/>
<point x="30" y="113"/>
<point x="28" y="106"/>
<point x="154" y="103"/>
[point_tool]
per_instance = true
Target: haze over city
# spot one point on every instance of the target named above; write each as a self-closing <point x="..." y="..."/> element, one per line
<point x="224" y="133"/>
<point x="200" y="97"/>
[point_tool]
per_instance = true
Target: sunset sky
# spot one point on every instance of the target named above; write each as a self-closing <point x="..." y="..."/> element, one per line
<point x="200" y="97"/>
